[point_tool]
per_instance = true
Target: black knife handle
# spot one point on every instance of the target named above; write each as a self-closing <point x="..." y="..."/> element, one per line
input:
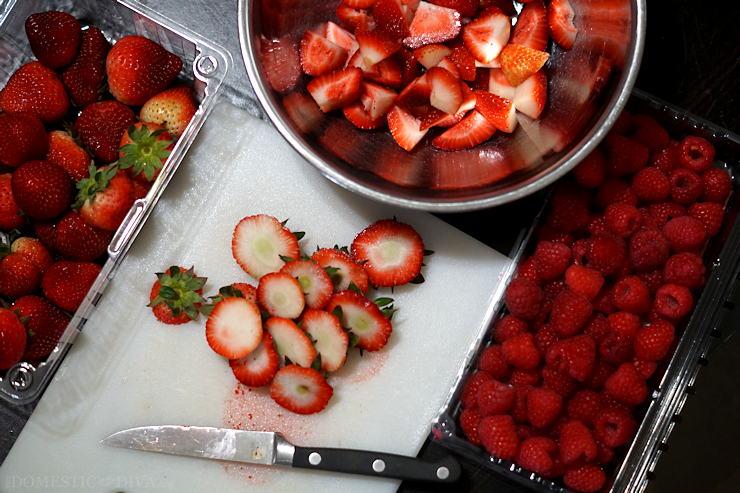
<point x="377" y="464"/>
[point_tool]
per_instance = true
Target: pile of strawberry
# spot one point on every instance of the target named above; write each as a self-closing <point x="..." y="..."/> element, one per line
<point x="86" y="128"/>
<point x="595" y="308"/>
<point x="463" y="65"/>
<point x="298" y="324"/>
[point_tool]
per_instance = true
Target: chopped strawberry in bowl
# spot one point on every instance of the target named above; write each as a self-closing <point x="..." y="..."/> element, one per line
<point x="488" y="102"/>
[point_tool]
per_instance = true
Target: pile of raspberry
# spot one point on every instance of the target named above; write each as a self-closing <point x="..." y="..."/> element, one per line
<point x="595" y="308"/>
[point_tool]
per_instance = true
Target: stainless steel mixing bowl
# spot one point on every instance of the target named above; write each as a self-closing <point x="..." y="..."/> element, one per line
<point x="588" y="87"/>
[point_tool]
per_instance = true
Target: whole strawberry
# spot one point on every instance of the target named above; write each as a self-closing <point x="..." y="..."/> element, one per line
<point x="10" y="216"/>
<point x="144" y="150"/>
<point x="24" y="138"/>
<point x="45" y="324"/>
<point x="65" y="151"/>
<point x="138" y="69"/>
<point x="176" y="295"/>
<point x="72" y="238"/>
<point x="101" y="126"/>
<point x="42" y="189"/>
<point x="105" y="197"/>
<point x="173" y="109"/>
<point x="34" y="251"/>
<point x="35" y="89"/>
<point x="12" y="339"/>
<point x="85" y="78"/>
<point x="66" y="283"/>
<point x="54" y="37"/>
<point x="18" y="276"/>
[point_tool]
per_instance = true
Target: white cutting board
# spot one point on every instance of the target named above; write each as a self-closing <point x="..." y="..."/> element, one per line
<point x="126" y="369"/>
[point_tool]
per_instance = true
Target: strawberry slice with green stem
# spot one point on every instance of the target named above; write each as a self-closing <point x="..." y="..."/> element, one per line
<point x="261" y="244"/>
<point x="291" y="343"/>
<point x="368" y="325"/>
<point x="328" y="337"/>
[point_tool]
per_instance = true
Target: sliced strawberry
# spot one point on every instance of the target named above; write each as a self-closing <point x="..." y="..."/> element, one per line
<point x="314" y="280"/>
<point x="282" y="62"/>
<point x="340" y="36"/>
<point x="304" y="112"/>
<point x="464" y="61"/>
<point x="291" y="343"/>
<point x="416" y="93"/>
<point x="359" y="4"/>
<point x="390" y="19"/>
<point x="362" y="318"/>
<point x="531" y="95"/>
<point x="519" y="63"/>
<point x="261" y="243"/>
<point x="430" y="55"/>
<point x="329" y="338"/>
<point x="438" y="118"/>
<point x="390" y="251"/>
<point x="471" y="131"/>
<point x="498" y="85"/>
<point x="258" y="368"/>
<point x="376" y="46"/>
<point x="560" y="15"/>
<point x="377" y="99"/>
<point x="465" y="7"/>
<point x="506" y="6"/>
<point x="445" y="94"/>
<point x="405" y="127"/>
<point x="486" y="36"/>
<point x="497" y="110"/>
<point x="450" y="66"/>
<point x="386" y="72"/>
<point x="468" y="97"/>
<point x="409" y="66"/>
<point x="319" y="55"/>
<point x="336" y="89"/>
<point x="300" y="390"/>
<point x="357" y="20"/>
<point x="280" y="295"/>
<point x="358" y="115"/>
<point x="432" y="24"/>
<point x="531" y="27"/>
<point x="234" y="328"/>
<point x="342" y="269"/>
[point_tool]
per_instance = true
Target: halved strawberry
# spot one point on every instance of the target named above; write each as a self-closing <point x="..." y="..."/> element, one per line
<point x="336" y="89"/>
<point x="450" y="66"/>
<point x="261" y="244"/>
<point x="386" y="72"/>
<point x="486" y="36"/>
<point x="560" y="15"/>
<point x="471" y="131"/>
<point x="531" y="95"/>
<point x="234" y="328"/>
<point x="432" y="24"/>
<point x="329" y="338"/>
<point x="438" y="118"/>
<point x="358" y="20"/>
<point x="363" y="318"/>
<point x="531" y="27"/>
<point x="445" y="94"/>
<point x="359" y="4"/>
<point x="319" y="55"/>
<point x="465" y="7"/>
<point x="359" y="117"/>
<point x="498" y="85"/>
<point x="390" y="251"/>
<point x="282" y="62"/>
<point x="304" y="112"/>
<point x="258" y="367"/>
<point x="430" y="55"/>
<point x="409" y="66"/>
<point x="314" y="280"/>
<point x="416" y="93"/>
<point x="376" y="99"/>
<point x="497" y="110"/>
<point x="280" y="295"/>
<point x="291" y="343"/>
<point x="376" y="46"/>
<point x="300" y="390"/>
<point x="340" y="36"/>
<point x="342" y="269"/>
<point x="464" y="61"/>
<point x="519" y="63"/>
<point x="405" y="127"/>
<point x="390" y="19"/>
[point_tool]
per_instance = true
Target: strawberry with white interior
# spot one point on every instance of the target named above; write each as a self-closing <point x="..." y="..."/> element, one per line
<point x="531" y="27"/>
<point x="280" y="295"/>
<point x="377" y="99"/>
<point x="497" y="110"/>
<point x="261" y="244"/>
<point x="300" y="390"/>
<point x="336" y="89"/>
<point x="258" y="368"/>
<point x="531" y="95"/>
<point x="342" y="268"/>
<point x="446" y="94"/>
<point x="390" y="18"/>
<point x="472" y="130"/>
<point x="313" y="279"/>
<point x="432" y="24"/>
<point x="405" y="127"/>
<point x="376" y="46"/>
<point x="234" y="327"/>
<point x="430" y="55"/>
<point x="340" y="36"/>
<point x="329" y="338"/>
<point x="498" y="85"/>
<point x="319" y="55"/>
<point x="291" y="343"/>
<point x="485" y="36"/>
<point x="363" y="318"/>
<point x="560" y="16"/>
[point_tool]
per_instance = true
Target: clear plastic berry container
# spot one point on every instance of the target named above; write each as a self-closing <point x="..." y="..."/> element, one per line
<point x="205" y="66"/>
<point x="695" y="338"/>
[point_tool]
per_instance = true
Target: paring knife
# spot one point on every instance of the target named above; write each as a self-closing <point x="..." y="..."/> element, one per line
<point x="264" y="447"/>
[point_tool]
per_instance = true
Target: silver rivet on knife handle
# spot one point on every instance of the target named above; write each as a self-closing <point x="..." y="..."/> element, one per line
<point x="314" y="459"/>
<point x="378" y="465"/>
<point x="443" y="473"/>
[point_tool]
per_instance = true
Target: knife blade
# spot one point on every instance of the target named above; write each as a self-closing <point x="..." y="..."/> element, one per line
<point x="270" y="448"/>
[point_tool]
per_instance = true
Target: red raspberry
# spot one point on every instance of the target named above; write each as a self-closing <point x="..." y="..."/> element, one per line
<point x="494" y="398"/>
<point x="544" y="340"/>
<point x="538" y="454"/>
<point x="578" y="252"/>
<point x="597" y="224"/>
<point x="492" y="361"/>
<point x="469" y="397"/>
<point x="524" y="432"/>
<point x="627" y="385"/>
<point x="573" y="357"/>
<point x="469" y="422"/>
<point x="651" y="185"/>
<point x="509" y="326"/>
<point x="576" y="443"/>
<point x="597" y="327"/>
<point x="613" y="427"/>
<point x="528" y="271"/>
<point x="498" y="434"/>
<point x="686" y="269"/>
<point x="518" y="410"/>
<point x="631" y="295"/>
<point x="583" y="280"/>
<point x="603" y="300"/>
<point x="648" y="250"/>
<point x="583" y="406"/>
<point x="548" y="233"/>
<point x="645" y="367"/>
<point x="562" y="384"/>
<point x="625" y="324"/>
<point x="686" y="186"/>
<point x="623" y="270"/>
<point x="667" y="159"/>
<point x="602" y="370"/>
<point x="653" y="280"/>
<point x="605" y="454"/>
<point x="614" y="190"/>
<point x="662" y="212"/>
<point x="717" y="185"/>
<point x="696" y="154"/>
<point x="570" y="312"/>
<point x="530" y="377"/>
<point x="615" y="349"/>
<point x="587" y="479"/>
<point x="568" y="212"/>
<point x="591" y="171"/>
<point x="685" y="233"/>
<point x="622" y="125"/>
<point x="551" y="259"/>
<point x="554" y="287"/>
<point x="625" y="155"/>
<point x="605" y="252"/>
<point x="650" y="133"/>
<point x="523" y="298"/>
<point x="623" y="219"/>
<point x="543" y="406"/>
<point x="648" y="221"/>
<point x="519" y="351"/>
<point x="537" y="322"/>
<point x="710" y="214"/>
<point x="673" y="301"/>
<point x="653" y="341"/>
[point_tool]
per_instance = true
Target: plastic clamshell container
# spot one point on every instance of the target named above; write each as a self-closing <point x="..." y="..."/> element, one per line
<point x="205" y="66"/>
<point x="673" y="380"/>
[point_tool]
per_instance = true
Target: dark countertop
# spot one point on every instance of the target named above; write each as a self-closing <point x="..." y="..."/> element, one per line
<point x="692" y="60"/>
